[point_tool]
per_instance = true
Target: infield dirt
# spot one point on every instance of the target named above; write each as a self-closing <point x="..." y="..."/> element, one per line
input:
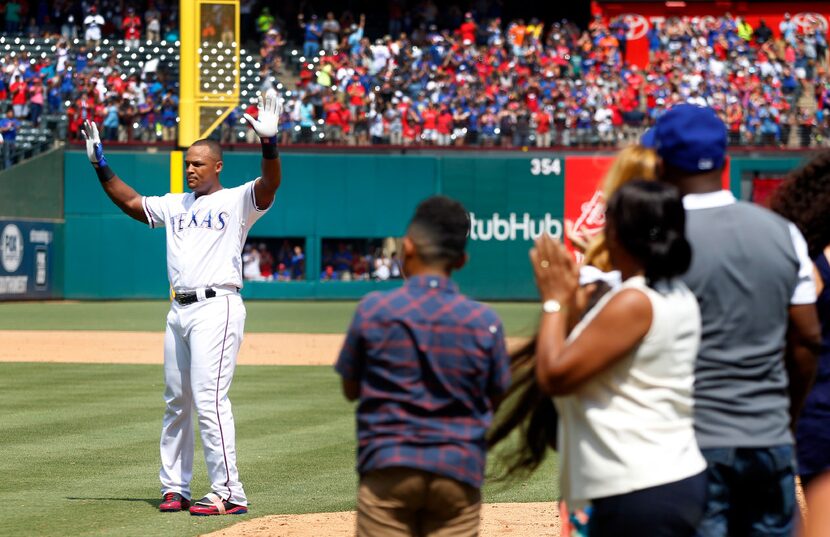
<point x="497" y="520"/>
<point x="76" y="346"/>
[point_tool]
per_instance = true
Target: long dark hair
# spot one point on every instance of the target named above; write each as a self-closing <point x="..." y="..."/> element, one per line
<point x="649" y="222"/>
<point x="804" y="199"/>
<point x="528" y="409"/>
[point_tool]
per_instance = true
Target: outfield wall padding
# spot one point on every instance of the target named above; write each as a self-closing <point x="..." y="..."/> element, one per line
<point x="511" y="198"/>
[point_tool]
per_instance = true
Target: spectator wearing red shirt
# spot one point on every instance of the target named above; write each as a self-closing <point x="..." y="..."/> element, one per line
<point x="444" y="127"/>
<point x="542" y="120"/>
<point x="334" y="120"/>
<point x="410" y="121"/>
<point x="468" y="29"/>
<point x="20" y="97"/>
<point x="430" y="119"/>
<point x="346" y="121"/>
<point x="132" y="28"/>
<point x="357" y="94"/>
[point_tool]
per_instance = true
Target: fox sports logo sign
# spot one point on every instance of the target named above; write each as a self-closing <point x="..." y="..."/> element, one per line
<point x="11" y="248"/>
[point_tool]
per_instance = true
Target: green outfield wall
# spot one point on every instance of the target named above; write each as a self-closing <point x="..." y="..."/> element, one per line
<point x="511" y="197"/>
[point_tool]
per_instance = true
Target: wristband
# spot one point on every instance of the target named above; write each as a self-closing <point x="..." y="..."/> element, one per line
<point x="104" y="172"/>
<point x="99" y="154"/>
<point x="269" y="148"/>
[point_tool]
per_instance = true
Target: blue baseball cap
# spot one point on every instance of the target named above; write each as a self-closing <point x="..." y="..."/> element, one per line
<point x="689" y="137"/>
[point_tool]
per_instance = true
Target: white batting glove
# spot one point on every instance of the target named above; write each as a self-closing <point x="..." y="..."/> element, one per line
<point x="94" y="149"/>
<point x="268" y="119"/>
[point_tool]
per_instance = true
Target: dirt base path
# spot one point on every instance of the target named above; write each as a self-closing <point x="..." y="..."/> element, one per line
<point x="497" y="520"/>
<point x="148" y="347"/>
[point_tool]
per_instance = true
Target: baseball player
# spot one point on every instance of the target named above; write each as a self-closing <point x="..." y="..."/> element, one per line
<point x="206" y="230"/>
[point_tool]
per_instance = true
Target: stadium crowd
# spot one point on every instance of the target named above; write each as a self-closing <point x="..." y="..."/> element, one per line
<point x="526" y="83"/>
<point x="475" y="82"/>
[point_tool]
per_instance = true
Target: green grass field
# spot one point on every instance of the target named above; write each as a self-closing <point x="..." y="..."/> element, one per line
<point x="263" y="316"/>
<point x="81" y="441"/>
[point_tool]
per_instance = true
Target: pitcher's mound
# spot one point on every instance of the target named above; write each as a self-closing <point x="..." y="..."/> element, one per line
<point x="497" y="520"/>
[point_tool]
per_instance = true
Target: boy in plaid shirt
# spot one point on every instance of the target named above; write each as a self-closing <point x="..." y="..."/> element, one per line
<point x="428" y="366"/>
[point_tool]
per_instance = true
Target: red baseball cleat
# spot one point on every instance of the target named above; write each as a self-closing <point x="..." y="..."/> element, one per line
<point x="172" y="502"/>
<point x="212" y="504"/>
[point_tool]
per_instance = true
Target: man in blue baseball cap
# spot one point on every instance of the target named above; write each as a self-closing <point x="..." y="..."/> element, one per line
<point x="691" y="138"/>
<point x="753" y="278"/>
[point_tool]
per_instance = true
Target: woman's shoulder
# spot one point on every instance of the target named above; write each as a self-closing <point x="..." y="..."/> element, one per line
<point x="669" y="298"/>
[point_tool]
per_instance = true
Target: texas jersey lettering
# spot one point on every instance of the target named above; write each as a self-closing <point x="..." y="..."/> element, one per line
<point x="205" y="235"/>
<point x="196" y="220"/>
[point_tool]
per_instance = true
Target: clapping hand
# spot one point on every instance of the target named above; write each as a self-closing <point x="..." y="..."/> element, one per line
<point x="556" y="273"/>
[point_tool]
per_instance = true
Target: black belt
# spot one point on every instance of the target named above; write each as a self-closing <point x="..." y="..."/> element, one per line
<point x="185" y="299"/>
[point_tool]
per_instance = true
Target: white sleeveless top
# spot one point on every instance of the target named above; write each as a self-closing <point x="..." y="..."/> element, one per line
<point x="630" y="427"/>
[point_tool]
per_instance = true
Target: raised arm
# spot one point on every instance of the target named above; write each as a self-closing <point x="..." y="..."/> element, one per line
<point x="122" y="194"/>
<point x="266" y="125"/>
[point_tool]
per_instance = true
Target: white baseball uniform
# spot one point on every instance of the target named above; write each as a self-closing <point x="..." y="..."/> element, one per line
<point x="205" y="236"/>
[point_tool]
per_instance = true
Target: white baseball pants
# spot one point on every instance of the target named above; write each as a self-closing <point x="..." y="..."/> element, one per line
<point x="200" y="348"/>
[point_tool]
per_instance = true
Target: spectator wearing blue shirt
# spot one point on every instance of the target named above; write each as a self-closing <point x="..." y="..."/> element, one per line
<point x="110" y="123"/>
<point x="306" y="119"/>
<point x="653" y="37"/>
<point x="298" y="264"/>
<point x="169" y="114"/>
<point x="342" y="259"/>
<point x="8" y="129"/>
<point x="356" y="36"/>
<point x="428" y="367"/>
<point x="313" y="32"/>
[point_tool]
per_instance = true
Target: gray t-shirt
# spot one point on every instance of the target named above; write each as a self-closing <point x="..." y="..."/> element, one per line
<point x="748" y="266"/>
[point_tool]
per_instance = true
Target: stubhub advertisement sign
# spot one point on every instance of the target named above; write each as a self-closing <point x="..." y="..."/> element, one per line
<point x="511" y="201"/>
<point x="28" y="256"/>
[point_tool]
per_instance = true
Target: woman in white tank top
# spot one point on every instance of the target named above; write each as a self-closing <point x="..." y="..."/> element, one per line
<point x="622" y="380"/>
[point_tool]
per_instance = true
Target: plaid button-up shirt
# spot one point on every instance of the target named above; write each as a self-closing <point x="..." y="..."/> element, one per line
<point x="429" y="362"/>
